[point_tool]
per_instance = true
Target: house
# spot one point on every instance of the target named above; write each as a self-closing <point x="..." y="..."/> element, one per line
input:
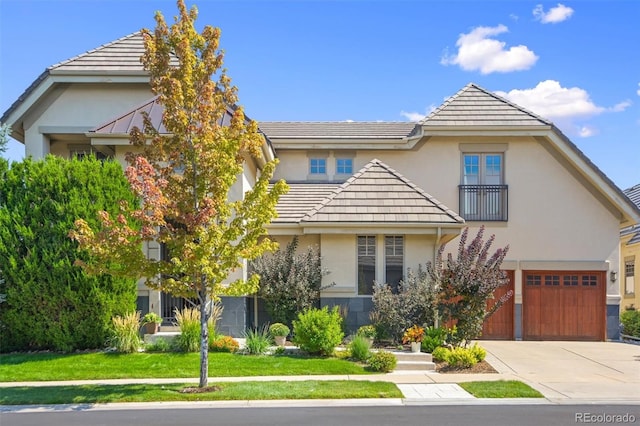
<point x="381" y="197"/>
<point x="629" y="255"/>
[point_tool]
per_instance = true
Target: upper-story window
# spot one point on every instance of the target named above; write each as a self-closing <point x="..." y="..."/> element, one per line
<point x="629" y="275"/>
<point x="483" y="194"/>
<point x="344" y="166"/>
<point x="318" y="166"/>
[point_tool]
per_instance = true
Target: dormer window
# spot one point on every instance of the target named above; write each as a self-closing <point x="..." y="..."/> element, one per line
<point x="318" y="166"/>
<point x="344" y="166"/>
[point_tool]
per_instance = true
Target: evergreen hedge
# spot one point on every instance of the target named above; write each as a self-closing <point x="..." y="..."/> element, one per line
<point x="50" y="304"/>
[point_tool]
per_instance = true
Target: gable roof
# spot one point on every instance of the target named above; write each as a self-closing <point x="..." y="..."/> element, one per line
<point x="301" y="198"/>
<point x="475" y="106"/>
<point x="633" y="194"/>
<point x="379" y="194"/>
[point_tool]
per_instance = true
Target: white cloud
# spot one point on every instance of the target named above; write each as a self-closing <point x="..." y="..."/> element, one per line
<point x="553" y="101"/>
<point x="619" y="107"/>
<point x="554" y="15"/>
<point x="586" y="131"/>
<point x="638" y="92"/>
<point x="477" y="50"/>
<point x="416" y="116"/>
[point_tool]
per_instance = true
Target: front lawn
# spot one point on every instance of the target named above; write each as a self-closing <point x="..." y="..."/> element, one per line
<point x="100" y="365"/>
<point x="500" y="389"/>
<point x="101" y="394"/>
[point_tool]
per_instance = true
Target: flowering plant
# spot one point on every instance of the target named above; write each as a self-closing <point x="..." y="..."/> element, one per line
<point x="414" y="333"/>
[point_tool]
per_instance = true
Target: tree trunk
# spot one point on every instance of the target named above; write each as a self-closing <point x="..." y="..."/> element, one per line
<point x="204" y="343"/>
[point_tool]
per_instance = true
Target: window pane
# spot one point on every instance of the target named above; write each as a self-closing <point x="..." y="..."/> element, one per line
<point x="471" y="169"/>
<point x="344" y="166"/>
<point x="493" y="170"/>
<point x="366" y="263"/>
<point x="394" y="260"/>
<point x="317" y="166"/>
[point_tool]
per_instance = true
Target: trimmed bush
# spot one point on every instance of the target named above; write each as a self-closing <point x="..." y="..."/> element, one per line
<point x="458" y="357"/>
<point x="126" y="329"/>
<point x="279" y="329"/>
<point x="224" y="344"/>
<point x="318" y="331"/>
<point x="630" y="320"/>
<point x="440" y="354"/>
<point x="382" y="361"/>
<point x="50" y="303"/>
<point x="359" y="348"/>
<point x="478" y="353"/>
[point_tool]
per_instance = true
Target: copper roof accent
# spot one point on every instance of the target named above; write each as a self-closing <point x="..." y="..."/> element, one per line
<point x="475" y="106"/>
<point x="379" y="194"/>
<point x="336" y="129"/>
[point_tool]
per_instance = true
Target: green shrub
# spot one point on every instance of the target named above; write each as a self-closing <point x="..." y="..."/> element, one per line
<point x="189" y="322"/>
<point x="50" y="303"/>
<point x="224" y="344"/>
<point x="257" y="341"/>
<point x="368" y="331"/>
<point x="461" y="358"/>
<point x="318" y="331"/>
<point x="126" y="337"/>
<point x="630" y="320"/>
<point x="433" y="338"/>
<point x="478" y="353"/>
<point x="160" y="345"/>
<point x="359" y="348"/>
<point x="151" y="317"/>
<point x="382" y="361"/>
<point x="440" y="354"/>
<point x="279" y="329"/>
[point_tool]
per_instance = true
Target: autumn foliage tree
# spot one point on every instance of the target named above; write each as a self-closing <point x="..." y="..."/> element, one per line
<point x="467" y="282"/>
<point x="185" y="178"/>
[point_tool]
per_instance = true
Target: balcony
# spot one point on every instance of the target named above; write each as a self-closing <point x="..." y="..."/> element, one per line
<point x="486" y="203"/>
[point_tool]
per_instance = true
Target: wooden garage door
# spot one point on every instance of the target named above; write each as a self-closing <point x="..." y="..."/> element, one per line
<point x="563" y="305"/>
<point x="499" y="326"/>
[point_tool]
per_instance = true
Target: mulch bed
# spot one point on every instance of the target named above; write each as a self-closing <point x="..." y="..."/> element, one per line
<point x="196" y="389"/>
<point x="480" y="368"/>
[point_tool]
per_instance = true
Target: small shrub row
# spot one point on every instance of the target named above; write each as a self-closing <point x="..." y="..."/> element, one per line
<point x="459" y="357"/>
<point x="382" y="361"/>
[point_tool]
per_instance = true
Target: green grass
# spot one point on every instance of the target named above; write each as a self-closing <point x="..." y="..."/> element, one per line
<point x="100" y="365"/>
<point x="500" y="389"/>
<point x="92" y="394"/>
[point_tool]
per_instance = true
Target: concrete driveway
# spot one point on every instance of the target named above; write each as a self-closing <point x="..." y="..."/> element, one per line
<point x="588" y="371"/>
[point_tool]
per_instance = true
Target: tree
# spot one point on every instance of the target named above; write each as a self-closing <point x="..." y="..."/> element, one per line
<point x="50" y="304"/>
<point x="467" y="282"/>
<point x="184" y="179"/>
<point x="290" y="282"/>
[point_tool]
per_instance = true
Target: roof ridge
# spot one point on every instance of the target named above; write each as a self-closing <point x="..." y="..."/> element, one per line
<point x="341" y="121"/>
<point x="95" y="49"/>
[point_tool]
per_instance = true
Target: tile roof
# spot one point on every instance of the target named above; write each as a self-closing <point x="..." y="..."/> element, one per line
<point x="301" y="198"/>
<point x="336" y="129"/>
<point x="121" y="55"/>
<point x="475" y="106"/>
<point x="379" y="194"/>
<point x="633" y="194"/>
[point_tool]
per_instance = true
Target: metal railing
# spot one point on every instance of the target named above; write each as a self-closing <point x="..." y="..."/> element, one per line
<point x="484" y="202"/>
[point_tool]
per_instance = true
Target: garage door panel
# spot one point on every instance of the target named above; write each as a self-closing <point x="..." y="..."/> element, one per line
<point x="500" y="325"/>
<point x="563" y="305"/>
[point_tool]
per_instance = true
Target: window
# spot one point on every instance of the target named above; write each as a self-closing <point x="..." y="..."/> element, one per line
<point x="318" y="166"/>
<point x="394" y="260"/>
<point x="83" y="151"/>
<point x="344" y="166"/>
<point x="366" y="263"/>
<point x="629" y="276"/>
<point x="483" y="195"/>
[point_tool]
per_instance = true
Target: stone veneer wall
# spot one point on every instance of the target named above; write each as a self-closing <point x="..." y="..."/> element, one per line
<point x="358" y="310"/>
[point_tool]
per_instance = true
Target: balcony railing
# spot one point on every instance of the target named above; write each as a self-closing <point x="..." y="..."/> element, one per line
<point x="484" y="202"/>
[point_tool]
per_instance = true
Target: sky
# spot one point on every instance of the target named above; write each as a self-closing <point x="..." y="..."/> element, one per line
<point x="575" y="62"/>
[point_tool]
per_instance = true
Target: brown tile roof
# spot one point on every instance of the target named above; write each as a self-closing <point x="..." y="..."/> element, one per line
<point x="475" y="106"/>
<point x="336" y="129"/>
<point x="121" y="55"/>
<point x="301" y="198"/>
<point x="379" y="194"/>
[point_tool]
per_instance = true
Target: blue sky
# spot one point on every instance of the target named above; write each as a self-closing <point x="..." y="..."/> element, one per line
<point x="574" y="62"/>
